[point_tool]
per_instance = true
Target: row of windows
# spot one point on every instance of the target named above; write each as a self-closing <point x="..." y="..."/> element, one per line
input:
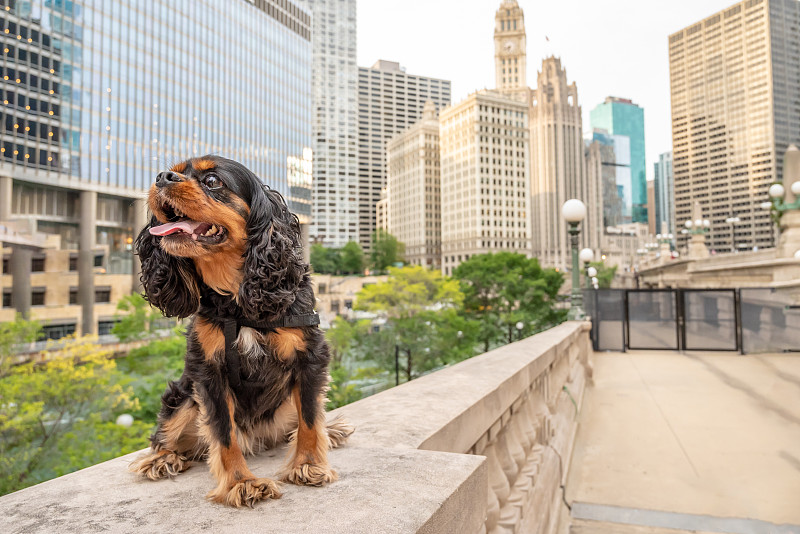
<point x="102" y="295"/>
<point x="38" y="263"/>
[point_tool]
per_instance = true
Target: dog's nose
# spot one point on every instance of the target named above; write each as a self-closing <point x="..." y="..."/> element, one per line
<point x="167" y="178"/>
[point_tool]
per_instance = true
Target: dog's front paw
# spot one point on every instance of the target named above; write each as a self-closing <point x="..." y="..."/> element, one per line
<point x="309" y="475"/>
<point x="246" y="492"/>
<point x="159" y="464"/>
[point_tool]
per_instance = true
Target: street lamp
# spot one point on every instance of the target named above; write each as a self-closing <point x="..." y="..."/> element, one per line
<point x="732" y="221"/>
<point x="586" y="256"/>
<point x="591" y="273"/>
<point x="520" y="325"/>
<point x="698" y="226"/>
<point x="574" y="211"/>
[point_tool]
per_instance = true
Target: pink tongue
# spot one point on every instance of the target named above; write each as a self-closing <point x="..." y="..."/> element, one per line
<point x="185" y="225"/>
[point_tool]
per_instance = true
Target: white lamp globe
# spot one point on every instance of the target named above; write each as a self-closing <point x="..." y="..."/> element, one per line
<point x="670" y="236"/>
<point x="776" y="191"/>
<point x="520" y="325"/>
<point x="706" y="223"/>
<point x="592" y="272"/>
<point x="125" y="420"/>
<point x="586" y="255"/>
<point x="573" y="210"/>
<point x="796" y="188"/>
<point x="765" y="205"/>
<point x="594" y="280"/>
<point x="596" y="287"/>
<point x="658" y="236"/>
<point x="688" y="224"/>
<point x="698" y="223"/>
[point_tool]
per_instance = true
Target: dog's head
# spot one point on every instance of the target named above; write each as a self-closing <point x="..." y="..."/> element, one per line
<point x="216" y="225"/>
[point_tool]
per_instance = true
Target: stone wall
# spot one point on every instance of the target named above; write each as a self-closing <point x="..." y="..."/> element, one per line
<point x="479" y="447"/>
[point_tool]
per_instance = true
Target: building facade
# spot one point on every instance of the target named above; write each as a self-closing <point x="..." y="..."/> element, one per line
<point x="733" y="79"/>
<point x="510" y="50"/>
<point x="335" y="138"/>
<point x="558" y="166"/>
<point x="621" y="117"/>
<point x="98" y="97"/>
<point x="414" y="202"/>
<point x="664" y="195"/>
<point x="389" y="101"/>
<point x="485" y="180"/>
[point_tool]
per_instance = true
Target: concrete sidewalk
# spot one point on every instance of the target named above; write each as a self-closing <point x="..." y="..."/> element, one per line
<point x="713" y="438"/>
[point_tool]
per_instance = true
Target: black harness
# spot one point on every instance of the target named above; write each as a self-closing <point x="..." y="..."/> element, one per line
<point x="231" y="328"/>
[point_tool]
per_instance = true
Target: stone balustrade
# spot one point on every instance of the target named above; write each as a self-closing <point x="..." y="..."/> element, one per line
<point x="479" y="447"/>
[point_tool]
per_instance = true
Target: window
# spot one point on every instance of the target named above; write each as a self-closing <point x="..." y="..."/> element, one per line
<point x="7" y="303"/>
<point x="322" y="289"/>
<point x="37" y="296"/>
<point x="348" y="304"/>
<point x="37" y="264"/>
<point x="104" y="327"/>
<point x="73" y="262"/>
<point x="73" y="295"/>
<point x="98" y="260"/>
<point x="102" y="294"/>
<point x="5" y="266"/>
<point x="57" y="331"/>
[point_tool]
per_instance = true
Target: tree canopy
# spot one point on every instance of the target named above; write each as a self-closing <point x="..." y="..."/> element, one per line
<point x="352" y="258"/>
<point x="505" y="288"/>
<point x="386" y="250"/>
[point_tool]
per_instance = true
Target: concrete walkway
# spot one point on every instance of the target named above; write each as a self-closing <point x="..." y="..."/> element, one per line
<point x="695" y="442"/>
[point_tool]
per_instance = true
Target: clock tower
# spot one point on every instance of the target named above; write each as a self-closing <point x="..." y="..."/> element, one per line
<point x="509" y="48"/>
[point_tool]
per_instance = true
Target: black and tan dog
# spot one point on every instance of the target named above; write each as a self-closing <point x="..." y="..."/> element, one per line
<point x="225" y="248"/>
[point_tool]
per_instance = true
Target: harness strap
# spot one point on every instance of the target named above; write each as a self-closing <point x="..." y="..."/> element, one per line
<point x="231" y="331"/>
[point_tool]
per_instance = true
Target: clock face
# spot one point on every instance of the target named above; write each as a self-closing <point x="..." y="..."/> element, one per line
<point x="509" y="46"/>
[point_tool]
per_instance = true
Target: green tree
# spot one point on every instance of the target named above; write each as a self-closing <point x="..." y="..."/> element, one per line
<point x="56" y="417"/>
<point x="505" y="288"/>
<point x="420" y="305"/>
<point x="138" y="321"/>
<point x="13" y="333"/>
<point x="352" y="258"/>
<point x="386" y="250"/>
<point x="343" y="334"/>
<point x="325" y="260"/>
<point x="605" y="274"/>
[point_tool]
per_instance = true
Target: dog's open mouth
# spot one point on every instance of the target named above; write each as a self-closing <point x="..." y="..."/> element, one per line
<point x="181" y="226"/>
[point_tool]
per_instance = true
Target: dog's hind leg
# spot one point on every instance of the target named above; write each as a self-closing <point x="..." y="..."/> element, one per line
<point x="175" y="441"/>
<point x="339" y="429"/>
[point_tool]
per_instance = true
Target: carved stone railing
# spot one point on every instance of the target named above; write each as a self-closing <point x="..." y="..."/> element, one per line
<point x="479" y="447"/>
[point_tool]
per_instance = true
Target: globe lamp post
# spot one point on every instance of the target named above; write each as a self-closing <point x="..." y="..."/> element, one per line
<point x="574" y="211"/>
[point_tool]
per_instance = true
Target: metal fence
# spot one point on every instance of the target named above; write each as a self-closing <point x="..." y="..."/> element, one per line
<point x="748" y="320"/>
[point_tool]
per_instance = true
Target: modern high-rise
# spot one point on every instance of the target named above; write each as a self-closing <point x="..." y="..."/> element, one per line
<point x="413" y="190"/>
<point x="621" y="117"/>
<point x="97" y="99"/>
<point x="663" y="195"/>
<point x="734" y="79"/>
<point x="615" y="179"/>
<point x="335" y="138"/>
<point x="510" y="55"/>
<point x="558" y="166"/>
<point x="485" y="183"/>
<point x="389" y="101"/>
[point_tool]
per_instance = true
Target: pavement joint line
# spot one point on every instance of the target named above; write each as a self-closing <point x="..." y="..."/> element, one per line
<point x="677" y="520"/>
<point x="664" y="416"/>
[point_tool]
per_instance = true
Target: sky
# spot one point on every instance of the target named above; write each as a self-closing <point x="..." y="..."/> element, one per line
<point x="609" y="48"/>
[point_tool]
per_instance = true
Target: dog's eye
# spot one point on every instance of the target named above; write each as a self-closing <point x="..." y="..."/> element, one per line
<point x="212" y="181"/>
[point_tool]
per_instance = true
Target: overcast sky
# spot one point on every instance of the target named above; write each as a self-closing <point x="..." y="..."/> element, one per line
<point x="608" y="47"/>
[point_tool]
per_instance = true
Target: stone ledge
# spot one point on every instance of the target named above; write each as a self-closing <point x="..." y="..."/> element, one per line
<point x="387" y="491"/>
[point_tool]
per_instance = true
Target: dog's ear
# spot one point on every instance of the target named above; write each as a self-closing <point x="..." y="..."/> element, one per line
<point x="170" y="283"/>
<point x="273" y="262"/>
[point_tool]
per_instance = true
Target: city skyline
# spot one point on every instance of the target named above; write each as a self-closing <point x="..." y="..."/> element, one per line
<point x="614" y="68"/>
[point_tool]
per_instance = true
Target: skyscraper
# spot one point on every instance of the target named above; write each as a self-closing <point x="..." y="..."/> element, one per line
<point x="510" y="56"/>
<point x="616" y="177"/>
<point x="389" y="101"/>
<point x="95" y="102"/>
<point x="558" y="166"/>
<point x="335" y="76"/>
<point x="485" y="180"/>
<point x="413" y="190"/>
<point x="664" y="194"/>
<point x="621" y="117"/>
<point x="734" y="79"/>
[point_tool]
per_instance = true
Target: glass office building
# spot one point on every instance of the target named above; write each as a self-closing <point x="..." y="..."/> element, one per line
<point x="98" y="96"/>
<point x="620" y="116"/>
<point x="102" y="95"/>
<point x="616" y="178"/>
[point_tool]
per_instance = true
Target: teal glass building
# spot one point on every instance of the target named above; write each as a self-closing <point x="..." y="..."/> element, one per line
<point x="621" y="117"/>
